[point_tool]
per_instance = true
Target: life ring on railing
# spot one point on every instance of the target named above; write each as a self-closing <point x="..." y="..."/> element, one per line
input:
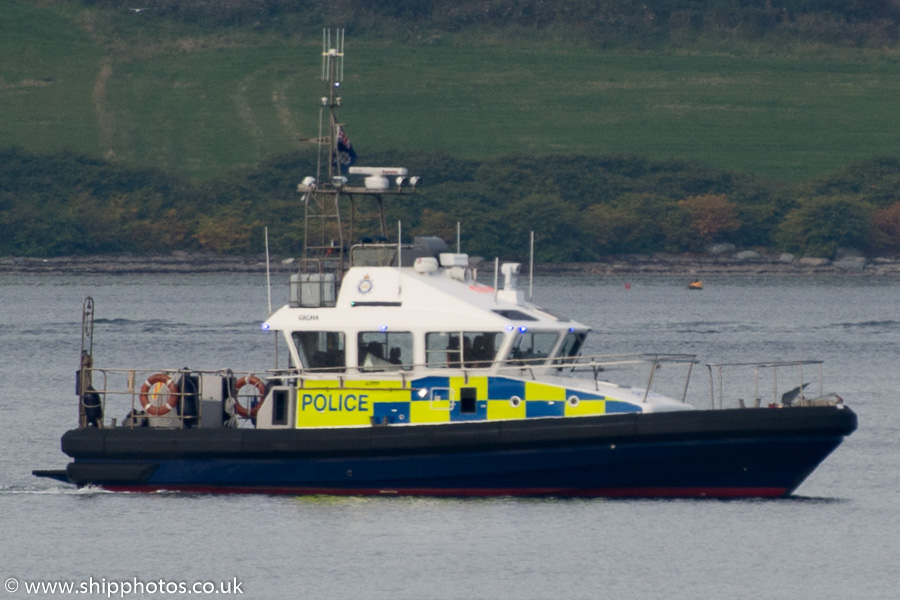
<point x="260" y="385"/>
<point x="153" y="383"/>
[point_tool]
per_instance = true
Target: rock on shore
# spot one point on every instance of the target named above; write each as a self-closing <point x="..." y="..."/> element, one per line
<point x="178" y="262"/>
<point x="681" y="265"/>
<point x="742" y="263"/>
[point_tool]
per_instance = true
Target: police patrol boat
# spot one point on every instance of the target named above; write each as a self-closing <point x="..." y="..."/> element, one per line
<point x="407" y="373"/>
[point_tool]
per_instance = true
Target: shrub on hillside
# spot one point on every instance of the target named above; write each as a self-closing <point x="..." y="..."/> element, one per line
<point x="819" y="226"/>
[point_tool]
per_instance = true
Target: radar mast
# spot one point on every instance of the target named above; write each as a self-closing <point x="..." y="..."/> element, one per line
<point x="344" y="210"/>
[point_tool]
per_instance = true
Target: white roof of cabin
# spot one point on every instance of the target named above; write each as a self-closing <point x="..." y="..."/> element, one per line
<point x="369" y="297"/>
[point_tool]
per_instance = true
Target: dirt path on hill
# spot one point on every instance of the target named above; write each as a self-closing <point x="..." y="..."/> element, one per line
<point x="105" y="120"/>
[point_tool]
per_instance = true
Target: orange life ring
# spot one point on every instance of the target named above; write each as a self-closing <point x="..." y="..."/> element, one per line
<point x="153" y="382"/>
<point x="260" y="385"/>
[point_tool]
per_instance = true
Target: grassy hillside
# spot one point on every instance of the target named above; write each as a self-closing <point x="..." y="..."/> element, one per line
<point x="47" y="73"/>
<point x="137" y="89"/>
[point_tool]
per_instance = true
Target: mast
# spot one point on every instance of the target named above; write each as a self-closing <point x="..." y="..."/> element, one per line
<point x="332" y="203"/>
<point x="323" y="234"/>
<point x="333" y="76"/>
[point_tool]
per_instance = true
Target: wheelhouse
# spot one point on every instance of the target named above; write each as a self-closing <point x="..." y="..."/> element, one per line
<point x="400" y="319"/>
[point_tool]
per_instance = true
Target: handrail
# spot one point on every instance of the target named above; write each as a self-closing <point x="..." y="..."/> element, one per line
<point x="109" y="383"/>
<point x="798" y="385"/>
<point x="122" y="382"/>
<point x="594" y="363"/>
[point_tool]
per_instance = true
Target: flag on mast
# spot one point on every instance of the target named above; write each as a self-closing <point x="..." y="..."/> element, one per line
<point x="346" y="155"/>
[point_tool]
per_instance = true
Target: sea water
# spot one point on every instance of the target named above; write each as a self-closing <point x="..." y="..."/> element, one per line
<point x="837" y="538"/>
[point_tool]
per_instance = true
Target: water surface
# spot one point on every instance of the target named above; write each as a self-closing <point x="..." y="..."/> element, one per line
<point x="837" y="538"/>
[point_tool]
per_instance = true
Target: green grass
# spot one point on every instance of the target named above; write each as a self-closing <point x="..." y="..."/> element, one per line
<point x="200" y="105"/>
<point x="47" y="70"/>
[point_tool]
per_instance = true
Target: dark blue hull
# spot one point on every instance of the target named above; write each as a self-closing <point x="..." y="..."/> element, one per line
<point x="742" y="453"/>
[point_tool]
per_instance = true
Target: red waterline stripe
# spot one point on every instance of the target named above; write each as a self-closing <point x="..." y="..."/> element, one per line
<point x="637" y="492"/>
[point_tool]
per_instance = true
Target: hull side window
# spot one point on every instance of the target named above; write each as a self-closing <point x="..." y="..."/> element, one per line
<point x="385" y="351"/>
<point x="471" y="349"/>
<point x="321" y="350"/>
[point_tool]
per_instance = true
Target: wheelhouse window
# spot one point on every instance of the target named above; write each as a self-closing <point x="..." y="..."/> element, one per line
<point x="533" y="347"/>
<point x="472" y="349"/>
<point x="385" y="351"/>
<point x="571" y="347"/>
<point x="322" y="350"/>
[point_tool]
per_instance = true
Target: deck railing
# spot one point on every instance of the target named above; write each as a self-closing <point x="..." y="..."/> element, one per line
<point x="596" y="366"/>
<point x="217" y="397"/>
<point x="771" y="383"/>
<point x="181" y="395"/>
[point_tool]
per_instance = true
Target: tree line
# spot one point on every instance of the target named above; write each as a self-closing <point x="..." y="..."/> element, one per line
<point x="579" y="207"/>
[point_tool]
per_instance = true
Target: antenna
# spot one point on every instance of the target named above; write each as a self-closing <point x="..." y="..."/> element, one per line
<point x="333" y="56"/>
<point x="399" y="257"/>
<point x="269" y="291"/>
<point x="332" y="75"/>
<point x="496" y="277"/>
<point x="531" y="268"/>
<point x="268" y="272"/>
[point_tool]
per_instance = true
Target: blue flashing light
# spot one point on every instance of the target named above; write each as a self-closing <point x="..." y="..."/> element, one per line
<point x="509" y="327"/>
<point x="383" y="328"/>
<point x="523" y="329"/>
<point x="264" y="326"/>
<point x="571" y="330"/>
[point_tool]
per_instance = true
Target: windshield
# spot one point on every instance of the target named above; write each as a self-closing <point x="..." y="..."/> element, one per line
<point x="532" y="347"/>
<point x="571" y="347"/>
